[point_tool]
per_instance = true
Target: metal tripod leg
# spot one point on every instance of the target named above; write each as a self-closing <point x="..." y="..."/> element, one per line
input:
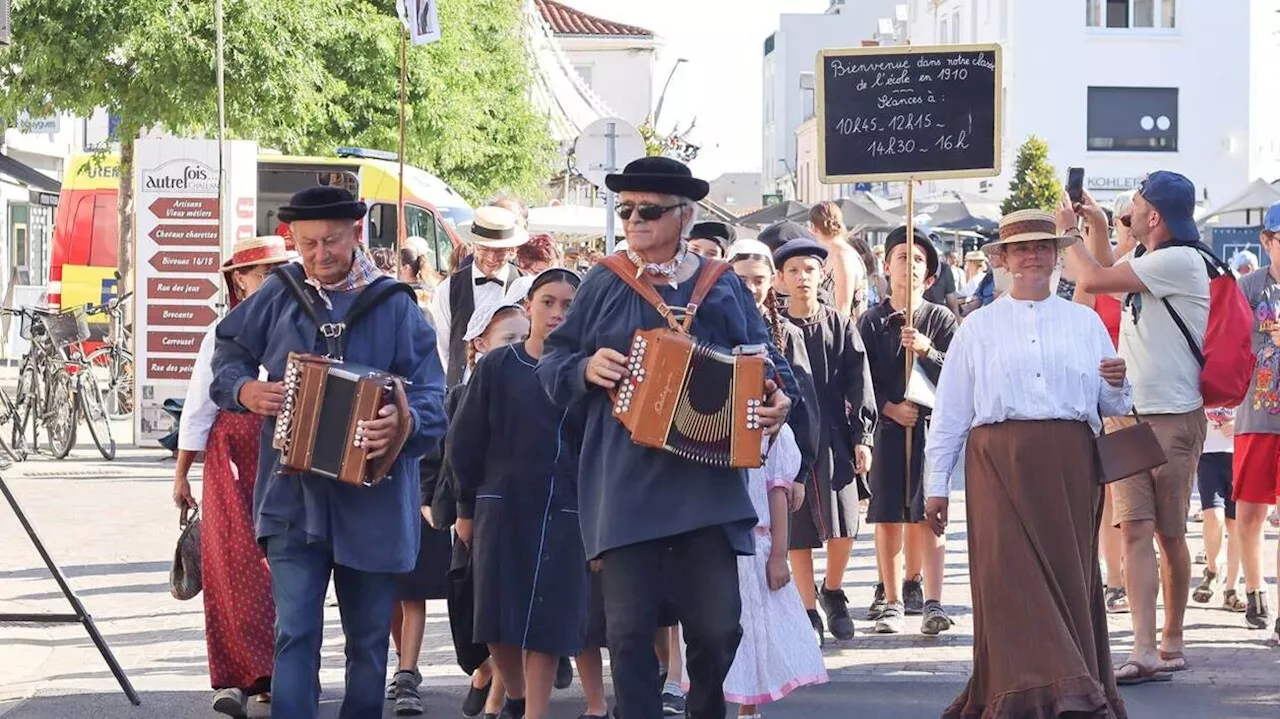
<point x="80" y="617"/>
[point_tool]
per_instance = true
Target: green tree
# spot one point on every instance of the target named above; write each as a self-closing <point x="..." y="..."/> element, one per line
<point x="1035" y="183"/>
<point x="303" y="76"/>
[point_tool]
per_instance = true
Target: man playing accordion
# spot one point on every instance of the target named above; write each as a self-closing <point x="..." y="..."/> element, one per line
<point x="667" y="530"/>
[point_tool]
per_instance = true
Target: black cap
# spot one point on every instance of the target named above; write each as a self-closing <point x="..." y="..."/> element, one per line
<point x="323" y="203"/>
<point x="718" y="232"/>
<point x="799" y="247"/>
<point x="779" y="233"/>
<point x="899" y="235"/>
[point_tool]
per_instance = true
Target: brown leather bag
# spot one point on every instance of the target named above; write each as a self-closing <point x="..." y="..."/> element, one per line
<point x="184" y="574"/>
<point x="1127" y="451"/>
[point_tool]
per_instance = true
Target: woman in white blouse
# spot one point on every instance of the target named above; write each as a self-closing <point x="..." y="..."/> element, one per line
<point x="1025" y="381"/>
<point x="236" y="584"/>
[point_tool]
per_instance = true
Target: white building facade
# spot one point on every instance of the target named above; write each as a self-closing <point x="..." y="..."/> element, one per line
<point x="790" y="56"/>
<point x="1125" y="87"/>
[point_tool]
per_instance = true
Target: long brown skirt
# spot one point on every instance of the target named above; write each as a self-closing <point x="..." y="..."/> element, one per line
<point x="1040" y="646"/>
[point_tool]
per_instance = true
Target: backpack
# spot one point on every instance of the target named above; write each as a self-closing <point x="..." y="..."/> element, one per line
<point x="1227" y="359"/>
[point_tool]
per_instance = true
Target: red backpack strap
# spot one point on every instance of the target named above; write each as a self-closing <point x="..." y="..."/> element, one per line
<point x="626" y="270"/>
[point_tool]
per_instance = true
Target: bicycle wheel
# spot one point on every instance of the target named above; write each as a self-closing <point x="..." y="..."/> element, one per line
<point x="95" y="413"/>
<point x="60" y="414"/>
<point x="118" y="395"/>
<point x="16" y="447"/>
<point x="28" y="401"/>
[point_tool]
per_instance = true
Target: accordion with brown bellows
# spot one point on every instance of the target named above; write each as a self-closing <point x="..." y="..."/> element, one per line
<point x="318" y="429"/>
<point x="693" y="400"/>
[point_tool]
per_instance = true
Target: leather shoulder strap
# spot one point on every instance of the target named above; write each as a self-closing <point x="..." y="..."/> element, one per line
<point x="627" y="271"/>
<point x="712" y="270"/>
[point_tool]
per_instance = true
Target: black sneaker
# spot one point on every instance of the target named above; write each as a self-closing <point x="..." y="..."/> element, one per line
<point x="890" y="619"/>
<point x="672" y="704"/>
<point x="1256" y="615"/>
<point x="877" y="603"/>
<point x="474" y="703"/>
<point x="564" y="673"/>
<point x="836" y="606"/>
<point x="391" y="685"/>
<point x="913" y="596"/>
<point x="513" y="709"/>
<point x="935" y="619"/>
<point x="408" y="700"/>
<point x="815" y="620"/>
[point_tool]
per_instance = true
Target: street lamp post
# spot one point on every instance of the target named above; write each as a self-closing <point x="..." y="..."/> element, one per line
<point x="658" y="112"/>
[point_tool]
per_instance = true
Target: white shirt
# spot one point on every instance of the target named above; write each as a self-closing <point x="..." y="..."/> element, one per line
<point x="1019" y="360"/>
<point x="198" y="411"/>
<point x="1166" y="376"/>
<point x="488" y="292"/>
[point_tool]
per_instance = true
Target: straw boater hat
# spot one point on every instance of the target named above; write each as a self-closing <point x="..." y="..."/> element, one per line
<point x="266" y="250"/>
<point x="496" y="228"/>
<point x="1028" y="226"/>
<point x="975" y="256"/>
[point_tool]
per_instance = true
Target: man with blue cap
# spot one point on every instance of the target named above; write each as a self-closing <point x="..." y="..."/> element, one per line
<point x="1256" y="479"/>
<point x="1166" y="281"/>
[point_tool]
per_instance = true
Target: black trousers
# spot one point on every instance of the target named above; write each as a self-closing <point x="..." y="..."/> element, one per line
<point x="697" y="572"/>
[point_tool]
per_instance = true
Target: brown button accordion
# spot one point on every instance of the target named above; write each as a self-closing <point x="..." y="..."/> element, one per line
<point x="692" y="399"/>
<point x="317" y="429"/>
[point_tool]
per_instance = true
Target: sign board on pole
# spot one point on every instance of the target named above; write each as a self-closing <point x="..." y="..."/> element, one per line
<point x="913" y="112"/>
<point x="591" y="149"/>
<point x="183" y="232"/>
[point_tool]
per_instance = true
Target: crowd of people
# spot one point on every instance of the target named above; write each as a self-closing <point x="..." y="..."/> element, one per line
<point x="522" y="501"/>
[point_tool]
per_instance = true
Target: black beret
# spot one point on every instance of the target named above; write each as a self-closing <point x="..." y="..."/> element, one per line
<point x="323" y="203"/>
<point x="899" y="235"/>
<point x="799" y="247"/>
<point x="719" y="232"/>
<point x="779" y="233"/>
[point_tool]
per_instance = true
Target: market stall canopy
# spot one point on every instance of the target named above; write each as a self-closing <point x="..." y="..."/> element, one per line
<point x="861" y="210"/>
<point x="956" y="211"/>
<point x="571" y="220"/>
<point x="1258" y="196"/>
<point x="787" y="210"/>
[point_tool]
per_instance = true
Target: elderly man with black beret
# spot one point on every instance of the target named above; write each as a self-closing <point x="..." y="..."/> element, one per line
<point x="665" y="528"/>
<point x="313" y="527"/>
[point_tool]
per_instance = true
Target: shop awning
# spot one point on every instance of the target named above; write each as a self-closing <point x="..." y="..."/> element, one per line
<point x="27" y="175"/>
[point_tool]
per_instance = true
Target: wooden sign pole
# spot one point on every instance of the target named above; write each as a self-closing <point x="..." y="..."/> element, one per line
<point x="908" y="319"/>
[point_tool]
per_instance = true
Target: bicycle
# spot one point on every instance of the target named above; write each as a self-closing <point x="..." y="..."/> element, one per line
<point x="115" y="356"/>
<point x="70" y="388"/>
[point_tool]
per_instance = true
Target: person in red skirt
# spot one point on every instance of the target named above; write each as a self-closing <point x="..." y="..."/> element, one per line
<point x="239" y="613"/>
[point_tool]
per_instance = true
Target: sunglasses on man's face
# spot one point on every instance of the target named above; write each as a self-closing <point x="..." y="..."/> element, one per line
<point x="647" y="212"/>
<point x="1127" y="220"/>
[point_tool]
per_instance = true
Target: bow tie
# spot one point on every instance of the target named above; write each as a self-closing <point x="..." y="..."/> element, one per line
<point x="482" y="280"/>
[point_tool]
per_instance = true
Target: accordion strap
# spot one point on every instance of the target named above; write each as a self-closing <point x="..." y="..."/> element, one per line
<point x="626" y="270"/>
<point x="334" y="333"/>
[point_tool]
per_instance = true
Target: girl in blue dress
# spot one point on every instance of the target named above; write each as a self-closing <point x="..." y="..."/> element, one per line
<point x="514" y="457"/>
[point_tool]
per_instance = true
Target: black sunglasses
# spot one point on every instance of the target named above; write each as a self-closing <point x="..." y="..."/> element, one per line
<point x="648" y="213"/>
<point x="1127" y="221"/>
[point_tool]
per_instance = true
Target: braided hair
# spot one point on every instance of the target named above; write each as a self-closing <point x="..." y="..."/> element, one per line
<point x="773" y="317"/>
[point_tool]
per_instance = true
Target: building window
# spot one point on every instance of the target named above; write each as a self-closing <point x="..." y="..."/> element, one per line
<point x="1133" y="119"/>
<point x="584" y="72"/>
<point x="1123" y="14"/>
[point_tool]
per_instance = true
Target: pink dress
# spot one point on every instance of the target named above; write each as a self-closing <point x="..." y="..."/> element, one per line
<point x="778" y="652"/>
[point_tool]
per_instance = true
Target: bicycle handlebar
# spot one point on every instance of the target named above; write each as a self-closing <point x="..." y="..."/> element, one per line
<point x="111" y="305"/>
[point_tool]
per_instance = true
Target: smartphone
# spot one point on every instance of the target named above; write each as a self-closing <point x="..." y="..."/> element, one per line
<point x="1075" y="184"/>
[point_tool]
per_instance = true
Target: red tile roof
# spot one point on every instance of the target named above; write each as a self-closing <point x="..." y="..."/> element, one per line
<point x="565" y="20"/>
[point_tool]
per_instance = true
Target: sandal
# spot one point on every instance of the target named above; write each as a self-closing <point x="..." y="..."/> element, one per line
<point x="1204" y="591"/>
<point x="1144" y="675"/>
<point x="1172" y="662"/>
<point x="1232" y="602"/>
<point x="1117" y="601"/>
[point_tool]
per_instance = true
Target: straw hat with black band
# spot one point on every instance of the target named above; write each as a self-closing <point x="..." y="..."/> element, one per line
<point x="1028" y="226"/>
<point x="496" y="228"/>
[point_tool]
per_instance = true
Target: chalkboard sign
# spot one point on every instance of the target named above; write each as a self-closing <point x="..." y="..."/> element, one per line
<point x="892" y="113"/>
